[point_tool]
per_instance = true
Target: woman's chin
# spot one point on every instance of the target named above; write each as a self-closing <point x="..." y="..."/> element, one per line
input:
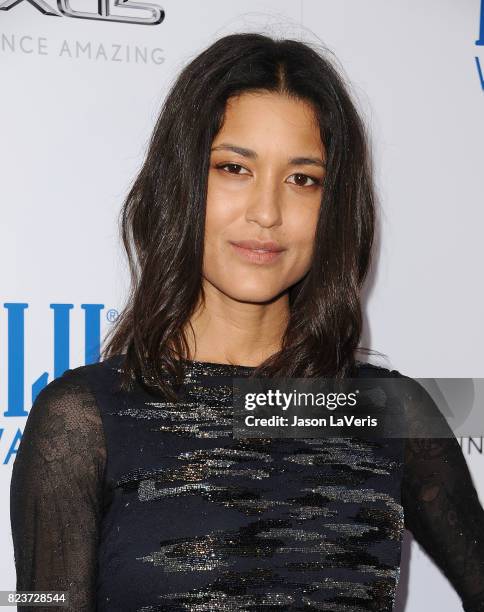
<point x="254" y="294"/>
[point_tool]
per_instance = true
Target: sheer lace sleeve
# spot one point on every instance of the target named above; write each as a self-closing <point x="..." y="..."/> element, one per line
<point x="56" y="494"/>
<point x="441" y="505"/>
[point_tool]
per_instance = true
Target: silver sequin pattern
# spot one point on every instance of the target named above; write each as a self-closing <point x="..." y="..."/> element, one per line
<point x="265" y="524"/>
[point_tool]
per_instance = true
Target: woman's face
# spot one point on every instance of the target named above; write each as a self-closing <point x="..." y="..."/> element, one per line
<point x="264" y="184"/>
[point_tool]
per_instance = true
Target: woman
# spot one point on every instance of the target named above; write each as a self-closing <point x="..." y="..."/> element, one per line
<point x="249" y="233"/>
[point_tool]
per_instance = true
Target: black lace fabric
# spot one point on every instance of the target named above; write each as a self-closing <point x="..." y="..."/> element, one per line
<point x="57" y="500"/>
<point x="442" y="507"/>
<point x="56" y="494"/>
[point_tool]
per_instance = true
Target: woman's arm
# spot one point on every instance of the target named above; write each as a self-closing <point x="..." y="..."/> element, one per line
<point x="56" y="494"/>
<point x="441" y="505"/>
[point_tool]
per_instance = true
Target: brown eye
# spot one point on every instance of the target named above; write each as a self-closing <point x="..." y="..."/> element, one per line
<point x="234" y="168"/>
<point x="300" y="180"/>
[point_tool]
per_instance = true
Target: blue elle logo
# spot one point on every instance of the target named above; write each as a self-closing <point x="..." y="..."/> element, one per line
<point x="16" y="349"/>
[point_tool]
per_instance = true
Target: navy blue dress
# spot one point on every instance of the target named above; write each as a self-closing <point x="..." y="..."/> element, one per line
<point x="132" y="503"/>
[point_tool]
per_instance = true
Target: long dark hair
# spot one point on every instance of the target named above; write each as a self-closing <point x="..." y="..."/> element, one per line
<point x="162" y="219"/>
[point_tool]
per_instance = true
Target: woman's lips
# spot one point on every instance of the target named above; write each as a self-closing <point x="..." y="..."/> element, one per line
<point x="258" y="255"/>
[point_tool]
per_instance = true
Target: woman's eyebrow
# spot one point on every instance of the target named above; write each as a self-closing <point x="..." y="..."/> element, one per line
<point x="293" y="161"/>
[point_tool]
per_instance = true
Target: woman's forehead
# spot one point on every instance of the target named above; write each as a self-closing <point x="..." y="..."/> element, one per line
<point x="262" y="121"/>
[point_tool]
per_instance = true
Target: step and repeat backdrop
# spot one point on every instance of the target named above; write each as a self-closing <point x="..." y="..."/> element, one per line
<point x="81" y="85"/>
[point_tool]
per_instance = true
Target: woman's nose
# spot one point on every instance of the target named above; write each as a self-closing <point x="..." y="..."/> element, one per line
<point x="264" y="205"/>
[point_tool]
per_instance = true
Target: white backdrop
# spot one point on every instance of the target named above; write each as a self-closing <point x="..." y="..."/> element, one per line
<point x="79" y="98"/>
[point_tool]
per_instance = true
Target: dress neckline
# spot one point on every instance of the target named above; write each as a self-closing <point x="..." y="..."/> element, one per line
<point x="212" y="366"/>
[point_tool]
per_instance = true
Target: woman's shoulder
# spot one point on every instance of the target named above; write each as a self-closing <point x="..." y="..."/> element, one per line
<point x="370" y="370"/>
<point x="106" y="367"/>
<point x="90" y="375"/>
<point x="74" y="391"/>
<point x="65" y="416"/>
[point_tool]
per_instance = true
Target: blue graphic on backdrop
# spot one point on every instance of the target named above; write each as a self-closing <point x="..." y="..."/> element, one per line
<point x="16" y="349"/>
<point x="16" y="356"/>
<point x="481" y="26"/>
<point x="480" y="42"/>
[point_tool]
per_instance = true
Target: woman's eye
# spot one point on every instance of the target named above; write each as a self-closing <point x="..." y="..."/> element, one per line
<point x="233" y="168"/>
<point x="300" y="180"/>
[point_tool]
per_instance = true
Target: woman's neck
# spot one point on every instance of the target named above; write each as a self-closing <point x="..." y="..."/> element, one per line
<point x="228" y="331"/>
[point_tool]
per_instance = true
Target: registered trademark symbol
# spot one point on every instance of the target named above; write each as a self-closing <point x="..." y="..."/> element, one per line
<point x="112" y="314"/>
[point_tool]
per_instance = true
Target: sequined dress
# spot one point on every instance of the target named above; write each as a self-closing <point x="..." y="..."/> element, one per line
<point x="132" y="503"/>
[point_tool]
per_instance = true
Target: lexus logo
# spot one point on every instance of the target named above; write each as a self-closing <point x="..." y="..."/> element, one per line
<point x="156" y="14"/>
